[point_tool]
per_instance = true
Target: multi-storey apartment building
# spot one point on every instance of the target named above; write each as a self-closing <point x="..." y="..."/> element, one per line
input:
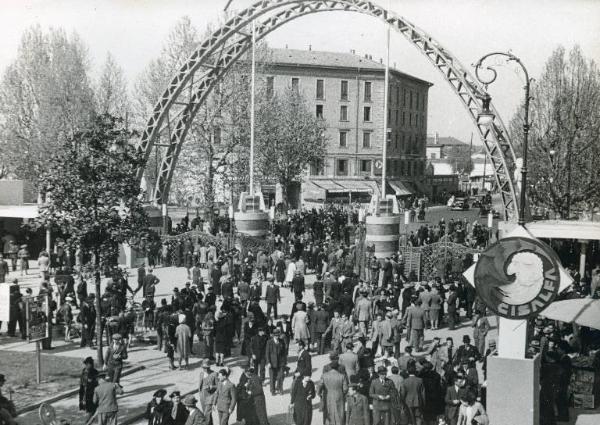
<point x="347" y="91"/>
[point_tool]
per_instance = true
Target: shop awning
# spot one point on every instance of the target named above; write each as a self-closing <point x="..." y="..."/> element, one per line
<point x="318" y="189"/>
<point x="400" y="188"/>
<point x="18" y="211"/>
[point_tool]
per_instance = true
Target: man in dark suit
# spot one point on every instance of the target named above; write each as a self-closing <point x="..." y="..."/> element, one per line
<point x="226" y="397"/>
<point x="276" y="359"/>
<point x="381" y="395"/>
<point x="304" y="365"/>
<point x="320" y="326"/>
<point x="149" y="282"/>
<point x="259" y="346"/>
<point x="466" y="353"/>
<point x="298" y="285"/>
<point x="452" y="398"/>
<point x="414" y="394"/>
<point x="195" y="417"/>
<point x="415" y="322"/>
<point x="272" y="297"/>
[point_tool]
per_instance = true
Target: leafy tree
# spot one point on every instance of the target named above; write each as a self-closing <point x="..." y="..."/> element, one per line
<point x="92" y="195"/>
<point x="289" y="137"/>
<point x="564" y="147"/>
<point x="111" y="90"/>
<point x="45" y="95"/>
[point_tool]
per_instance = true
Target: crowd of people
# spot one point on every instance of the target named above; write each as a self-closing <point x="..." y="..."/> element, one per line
<point x="389" y="363"/>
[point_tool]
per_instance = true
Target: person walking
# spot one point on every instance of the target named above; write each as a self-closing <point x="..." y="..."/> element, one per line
<point x="225" y="399"/>
<point x="258" y="348"/>
<point x="349" y="359"/>
<point x="381" y="391"/>
<point x="415" y="322"/>
<point x="207" y="388"/>
<point x="272" y="298"/>
<point x="414" y="395"/>
<point x="320" y="326"/>
<point x="88" y="382"/>
<point x="276" y="361"/>
<point x="481" y="327"/>
<point x="304" y="365"/>
<point x="302" y="394"/>
<point x="357" y="407"/>
<point x="183" y="335"/>
<point x="105" y="397"/>
<point x="300" y="325"/>
<point x="115" y="354"/>
<point x="333" y="389"/>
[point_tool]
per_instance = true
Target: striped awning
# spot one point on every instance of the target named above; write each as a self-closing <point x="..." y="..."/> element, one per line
<point x="318" y="189"/>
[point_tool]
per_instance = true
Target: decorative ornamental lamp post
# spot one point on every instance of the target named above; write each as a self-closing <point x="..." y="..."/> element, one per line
<point x="486" y="116"/>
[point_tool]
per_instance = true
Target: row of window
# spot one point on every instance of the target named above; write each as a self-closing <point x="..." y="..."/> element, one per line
<point x="411" y="141"/>
<point x="414" y="120"/>
<point x="395" y="167"/>
<point x="411" y="99"/>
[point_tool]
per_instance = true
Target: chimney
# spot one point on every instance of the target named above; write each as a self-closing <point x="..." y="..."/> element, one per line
<point x="286" y="46"/>
<point x="436" y="138"/>
<point x="309" y="47"/>
<point x="381" y="60"/>
<point x="353" y="51"/>
<point x="366" y="56"/>
<point x="371" y="57"/>
<point x="394" y="64"/>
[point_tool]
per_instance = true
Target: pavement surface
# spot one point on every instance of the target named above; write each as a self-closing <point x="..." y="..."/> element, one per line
<point x="140" y="386"/>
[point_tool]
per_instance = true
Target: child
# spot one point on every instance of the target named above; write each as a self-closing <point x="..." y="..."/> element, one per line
<point x="442" y="420"/>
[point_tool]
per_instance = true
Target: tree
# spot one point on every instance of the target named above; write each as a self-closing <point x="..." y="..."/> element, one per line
<point x="564" y="148"/>
<point x="92" y="195"/>
<point x="45" y="95"/>
<point x="289" y="137"/>
<point x="111" y="90"/>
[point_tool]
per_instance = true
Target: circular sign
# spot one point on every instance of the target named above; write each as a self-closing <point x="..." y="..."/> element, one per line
<point x="378" y="164"/>
<point x="517" y="277"/>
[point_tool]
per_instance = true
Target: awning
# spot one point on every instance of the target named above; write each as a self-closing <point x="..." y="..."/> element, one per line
<point x="18" y="211"/>
<point x="318" y="189"/>
<point x="400" y="188"/>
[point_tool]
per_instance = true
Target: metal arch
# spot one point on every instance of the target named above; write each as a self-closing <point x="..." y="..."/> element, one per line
<point x="494" y="137"/>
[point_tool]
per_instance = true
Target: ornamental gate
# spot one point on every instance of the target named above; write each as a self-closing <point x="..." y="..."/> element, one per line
<point x="442" y="257"/>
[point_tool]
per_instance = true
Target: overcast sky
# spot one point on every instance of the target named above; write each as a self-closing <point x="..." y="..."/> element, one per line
<point x="134" y="31"/>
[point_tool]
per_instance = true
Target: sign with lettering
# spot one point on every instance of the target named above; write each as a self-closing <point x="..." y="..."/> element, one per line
<point x="37" y="311"/>
<point x="517" y="277"/>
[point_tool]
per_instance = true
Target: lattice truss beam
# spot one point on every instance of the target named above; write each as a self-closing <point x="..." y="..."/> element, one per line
<point x="190" y="87"/>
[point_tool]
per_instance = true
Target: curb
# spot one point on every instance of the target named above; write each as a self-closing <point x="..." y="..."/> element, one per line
<point x="141" y="415"/>
<point x="70" y="393"/>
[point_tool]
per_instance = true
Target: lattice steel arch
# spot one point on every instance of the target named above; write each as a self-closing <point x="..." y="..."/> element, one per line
<point x="230" y="42"/>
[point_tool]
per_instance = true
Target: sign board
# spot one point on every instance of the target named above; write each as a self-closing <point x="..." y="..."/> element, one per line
<point x="517" y="277"/>
<point x="37" y="311"/>
<point x="378" y="169"/>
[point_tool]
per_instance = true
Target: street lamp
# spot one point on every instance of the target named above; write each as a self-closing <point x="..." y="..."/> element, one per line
<point x="486" y="117"/>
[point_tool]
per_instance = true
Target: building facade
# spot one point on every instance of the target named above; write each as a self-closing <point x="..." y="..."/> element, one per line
<point x="347" y="92"/>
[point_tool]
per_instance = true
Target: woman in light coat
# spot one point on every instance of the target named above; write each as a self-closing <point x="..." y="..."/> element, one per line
<point x="300" y="325"/>
<point x="183" y="334"/>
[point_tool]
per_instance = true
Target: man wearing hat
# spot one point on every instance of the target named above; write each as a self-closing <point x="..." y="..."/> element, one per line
<point x="258" y="348"/>
<point x="320" y="325"/>
<point x="115" y="354"/>
<point x="105" y="397"/>
<point x="381" y="393"/>
<point x="358" y="406"/>
<point x="298" y="284"/>
<point x="87" y="384"/>
<point x="207" y="388"/>
<point x="466" y="352"/>
<point x="272" y="298"/>
<point x="276" y="359"/>
<point x="333" y="391"/>
<point x="195" y="417"/>
<point x="87" y="318"/>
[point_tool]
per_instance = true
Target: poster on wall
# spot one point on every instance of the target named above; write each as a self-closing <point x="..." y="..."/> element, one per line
<point x="37" y="310"/>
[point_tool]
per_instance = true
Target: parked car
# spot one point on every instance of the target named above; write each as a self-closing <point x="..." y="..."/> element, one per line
<point x="460" y="204"/>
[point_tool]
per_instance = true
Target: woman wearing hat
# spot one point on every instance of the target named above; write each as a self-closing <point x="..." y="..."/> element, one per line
<point x="88" y="382"/>
<point x="303" y="392"/>
<point x="157" y="411"/>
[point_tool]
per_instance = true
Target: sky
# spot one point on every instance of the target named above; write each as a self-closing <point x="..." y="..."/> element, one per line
<point x="133" y="31"/>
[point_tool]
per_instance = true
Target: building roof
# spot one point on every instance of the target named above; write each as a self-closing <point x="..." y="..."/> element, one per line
<point x="444" y="141"/>
<point x="322" y="59"/>
<point x="478" y="169"/>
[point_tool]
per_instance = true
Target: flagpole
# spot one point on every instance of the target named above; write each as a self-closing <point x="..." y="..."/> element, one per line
<point x="252" y="84"/>
<point x="385" y="112"/>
